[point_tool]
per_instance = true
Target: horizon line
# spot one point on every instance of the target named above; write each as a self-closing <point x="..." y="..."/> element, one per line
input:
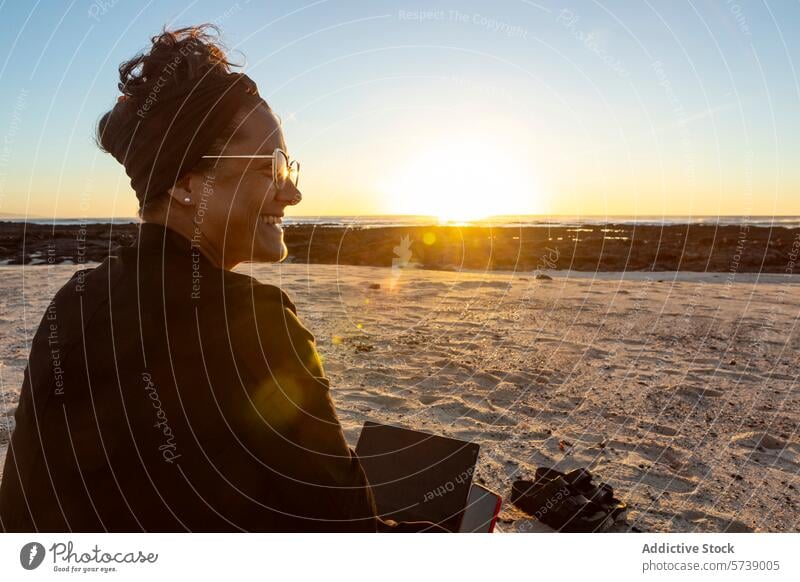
<point x="16" y="216"/>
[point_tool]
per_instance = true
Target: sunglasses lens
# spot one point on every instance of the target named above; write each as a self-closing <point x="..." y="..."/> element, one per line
<point x="294" y="172"/>
<point x="281" y="169"/>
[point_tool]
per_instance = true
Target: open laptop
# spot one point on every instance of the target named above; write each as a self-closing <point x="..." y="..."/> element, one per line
<point x="417" y="476"/>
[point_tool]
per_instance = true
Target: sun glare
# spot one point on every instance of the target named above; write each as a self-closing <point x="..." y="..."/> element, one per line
<point x="461" y="181"/>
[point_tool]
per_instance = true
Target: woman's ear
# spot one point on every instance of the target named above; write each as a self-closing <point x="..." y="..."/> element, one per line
<point x="181" y="192"/>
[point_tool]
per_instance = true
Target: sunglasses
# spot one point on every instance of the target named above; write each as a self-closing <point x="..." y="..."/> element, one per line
<point x="284" y="170"/>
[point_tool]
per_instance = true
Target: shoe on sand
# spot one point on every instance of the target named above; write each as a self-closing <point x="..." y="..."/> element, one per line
<point x="568" y="502"/>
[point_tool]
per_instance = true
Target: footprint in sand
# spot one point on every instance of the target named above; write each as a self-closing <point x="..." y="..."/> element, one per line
<point x="655" y="478"/>
<point x="485" y="380"/>
<point x="658" y="429"/>
<point x="520" y="378"/>
<point x="454" y="409"/>
<point x="526" y="378"/>
<point x="702" y="521"/>
<point x="427" y="399"/>
<point x="566" y="404"/>
<point x="381" y="400"/>
<point x="672" y="458"/>
<point x="696" y="393"/>
<point x="505" y="394"/>
<point x="769" y="450"/>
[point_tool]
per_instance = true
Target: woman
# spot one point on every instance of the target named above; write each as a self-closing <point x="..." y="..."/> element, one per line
<point x="165" y="392"/>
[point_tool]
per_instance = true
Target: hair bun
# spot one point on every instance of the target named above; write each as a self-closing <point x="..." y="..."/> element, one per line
<point x="175" y="59"/>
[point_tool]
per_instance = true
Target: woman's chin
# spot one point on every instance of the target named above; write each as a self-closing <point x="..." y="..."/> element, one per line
<point x="268" y="244"/>
<point x="274" y="253"/>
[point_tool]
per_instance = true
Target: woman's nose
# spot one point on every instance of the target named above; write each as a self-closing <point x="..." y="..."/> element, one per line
<point x="289" y="194"/>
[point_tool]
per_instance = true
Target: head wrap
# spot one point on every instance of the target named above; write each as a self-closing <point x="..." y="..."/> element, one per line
<point x="166" y="134"/>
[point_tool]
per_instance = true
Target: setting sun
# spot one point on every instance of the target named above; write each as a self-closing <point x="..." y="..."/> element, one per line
<point x="461" y="181"/>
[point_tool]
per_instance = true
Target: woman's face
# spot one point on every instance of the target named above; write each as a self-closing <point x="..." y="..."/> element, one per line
<point x="232" y="200"/>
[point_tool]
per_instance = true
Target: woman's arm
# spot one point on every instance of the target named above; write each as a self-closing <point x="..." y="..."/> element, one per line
<point x="289" y="421"/>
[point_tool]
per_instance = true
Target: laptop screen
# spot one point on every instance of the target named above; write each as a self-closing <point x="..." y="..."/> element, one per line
<point x="416" y="476"/>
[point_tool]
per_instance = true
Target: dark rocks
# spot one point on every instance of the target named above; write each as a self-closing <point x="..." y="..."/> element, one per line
<point x="701" y="248"/>
<point x="47" y="244"/>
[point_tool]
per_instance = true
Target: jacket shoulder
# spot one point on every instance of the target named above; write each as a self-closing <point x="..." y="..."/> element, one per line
<point x="263" y="323"/>
<point x="261" y="295"/>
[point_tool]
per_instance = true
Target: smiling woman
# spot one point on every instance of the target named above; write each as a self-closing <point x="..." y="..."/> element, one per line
<point x="460" y="180"/>
<point x="188" y="397"/>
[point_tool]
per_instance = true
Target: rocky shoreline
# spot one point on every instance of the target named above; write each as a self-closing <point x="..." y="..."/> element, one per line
<point x="699" y="248"/>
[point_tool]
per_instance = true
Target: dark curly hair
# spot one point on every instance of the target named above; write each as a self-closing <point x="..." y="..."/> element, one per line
<point x="175" y="62"/>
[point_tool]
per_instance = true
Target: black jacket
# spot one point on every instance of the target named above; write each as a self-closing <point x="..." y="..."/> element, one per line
<point x="165" y="394"/>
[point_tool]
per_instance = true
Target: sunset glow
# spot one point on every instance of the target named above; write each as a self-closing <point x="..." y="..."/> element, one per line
<point x="542" y="109"/>
<point x="460" y="181"/>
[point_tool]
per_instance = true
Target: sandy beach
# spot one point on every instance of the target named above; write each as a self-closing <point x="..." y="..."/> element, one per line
<point x="679" y="390"/>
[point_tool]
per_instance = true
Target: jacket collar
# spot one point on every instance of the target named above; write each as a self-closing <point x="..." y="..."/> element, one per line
<point x="157" y="238"/>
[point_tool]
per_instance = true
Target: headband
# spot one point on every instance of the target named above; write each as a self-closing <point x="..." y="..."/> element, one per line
<point x="166" y="135"/>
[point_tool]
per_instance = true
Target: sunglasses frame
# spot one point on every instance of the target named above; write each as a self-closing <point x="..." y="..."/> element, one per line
<point x="278" y="151"/>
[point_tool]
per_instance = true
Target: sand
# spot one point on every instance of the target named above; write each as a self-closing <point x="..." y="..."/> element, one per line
<point x="681" y="390"/>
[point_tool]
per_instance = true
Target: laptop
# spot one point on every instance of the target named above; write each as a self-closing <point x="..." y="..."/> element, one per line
<point x="417" y="476"/>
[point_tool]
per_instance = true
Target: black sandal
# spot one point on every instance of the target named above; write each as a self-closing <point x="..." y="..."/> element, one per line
<point x="568" y="502"/>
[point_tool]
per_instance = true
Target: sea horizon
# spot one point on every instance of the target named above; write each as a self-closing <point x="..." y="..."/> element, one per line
<point x="498" y="221"/>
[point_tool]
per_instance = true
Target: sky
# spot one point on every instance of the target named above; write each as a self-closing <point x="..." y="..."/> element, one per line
<point x="458" y="109"/>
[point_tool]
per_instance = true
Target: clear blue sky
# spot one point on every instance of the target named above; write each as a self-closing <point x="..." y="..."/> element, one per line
<point x="618" y="107"/>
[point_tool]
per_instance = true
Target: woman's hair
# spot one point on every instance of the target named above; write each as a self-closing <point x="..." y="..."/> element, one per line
<point x="176" y="61"/>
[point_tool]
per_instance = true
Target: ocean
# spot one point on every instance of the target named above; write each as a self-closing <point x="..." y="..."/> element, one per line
<point x="378" y="221"/>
